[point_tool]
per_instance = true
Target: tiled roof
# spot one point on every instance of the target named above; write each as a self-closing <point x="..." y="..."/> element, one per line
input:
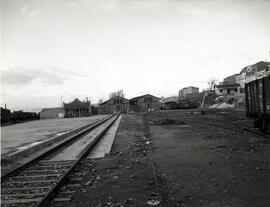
<point x="112" y="99"/>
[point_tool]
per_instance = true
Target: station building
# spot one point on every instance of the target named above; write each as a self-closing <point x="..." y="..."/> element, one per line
<point x="77" y="108"/>
<point x="52" y="113"/>
<point x="145" y="103"/>
<point x="116" y="104"/>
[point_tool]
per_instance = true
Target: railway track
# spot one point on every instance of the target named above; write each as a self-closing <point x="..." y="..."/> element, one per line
<point x="37" y="182"/>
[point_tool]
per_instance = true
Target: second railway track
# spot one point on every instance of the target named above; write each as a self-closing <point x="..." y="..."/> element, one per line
<point x="37" y="182"/>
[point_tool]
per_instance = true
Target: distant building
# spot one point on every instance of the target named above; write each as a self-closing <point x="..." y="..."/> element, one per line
<point x="229" y="86"/>
<point x="170" y="103"/>
<point x="227" y="89"/>
<point x="77" y="108"/>
<point x="188" y="90"/>
<point x="230" y="80"/>
<point x="144" y="103"/>
<point x="94" y="109"/>
<point x="52" y="113"/>
<point x="114" y="105"/>
<point x="232" y="87"/>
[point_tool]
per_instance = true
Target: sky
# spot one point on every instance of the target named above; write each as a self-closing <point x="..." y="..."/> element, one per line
<point x="89" y="48"/>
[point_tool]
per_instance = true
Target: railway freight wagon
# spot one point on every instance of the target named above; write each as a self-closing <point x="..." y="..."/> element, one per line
<point x="257" y="94"/>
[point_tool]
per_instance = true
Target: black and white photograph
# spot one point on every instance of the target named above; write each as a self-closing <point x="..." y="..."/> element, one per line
<point x="135" y="103"/>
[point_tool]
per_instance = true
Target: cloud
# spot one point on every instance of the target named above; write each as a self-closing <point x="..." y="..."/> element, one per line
<point x="20" y="76"/>
<point x="24" y="8"/>
<point x="34" y="13"/>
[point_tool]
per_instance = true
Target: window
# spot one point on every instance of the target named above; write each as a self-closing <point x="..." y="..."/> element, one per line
<point x="220" y="91"/>
<point x="148" y="99"/>
<point x="235" y="90"/>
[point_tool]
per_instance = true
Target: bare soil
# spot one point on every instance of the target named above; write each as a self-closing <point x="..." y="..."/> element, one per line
<point x="211" y="161"/>
<point x="175" y="158"/>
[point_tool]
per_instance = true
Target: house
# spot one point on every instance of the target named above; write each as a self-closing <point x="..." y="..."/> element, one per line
<point x="232" y="87"/>
<point x="170" y="103"/>
<point x="77" y="108"/>
<point x="188" y="90"/>
<point x="114" y="105"/>
<point x="52" y="113"/>
<point x="229" y="86"/>
<point x="227" y="89"/>
<point x="144" y="103"/>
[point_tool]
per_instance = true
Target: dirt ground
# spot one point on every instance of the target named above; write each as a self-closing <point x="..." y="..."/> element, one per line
<point x="209" y="160"/>
<point x="175" y="158"/>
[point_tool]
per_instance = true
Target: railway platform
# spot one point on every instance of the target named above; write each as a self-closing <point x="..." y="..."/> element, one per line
<point x="25" y="135"/>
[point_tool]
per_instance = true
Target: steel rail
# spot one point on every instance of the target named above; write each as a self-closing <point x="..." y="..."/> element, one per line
<point x="45" y="201"/>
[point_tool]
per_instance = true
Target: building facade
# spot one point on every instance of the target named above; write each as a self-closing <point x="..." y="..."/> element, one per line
<point x="229" y="86"/>
<point x="52" y="113"/>
<point x="253" y="72"/>
<point x="227" y="89"/>
<point x="145" y="103"/>
<point x="114" y="105"/>
<point x="188" y="90"/>
<point x="77" y="108"/>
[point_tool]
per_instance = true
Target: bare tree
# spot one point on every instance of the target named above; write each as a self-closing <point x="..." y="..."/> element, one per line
<point x="116" y="93"/>
<point x="211" y="83"/>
